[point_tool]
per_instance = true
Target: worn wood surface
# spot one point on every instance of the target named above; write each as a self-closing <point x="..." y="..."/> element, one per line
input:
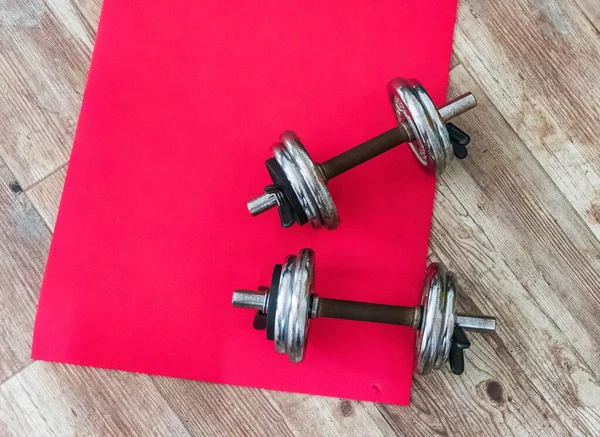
<point x="518" y="220"/>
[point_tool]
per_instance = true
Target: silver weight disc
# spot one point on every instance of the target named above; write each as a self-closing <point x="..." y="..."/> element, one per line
<point x="307" y="181"/>
<point x="438" y="320"/>
<point x="416" y="112"/>
<point x="292" y="320"/>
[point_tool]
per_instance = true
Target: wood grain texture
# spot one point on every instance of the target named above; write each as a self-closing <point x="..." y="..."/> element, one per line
<point x="24" y="242"/>
<point x="591" y="8"/>
<point x="57" y="400"/>
<point x="518" y="221"/>
<point x="45" y="195"/>
<point x="539" y="62"/>
<point x="318" y="416"/>
<point x="209" y="409"/>
<point x="44" y="57"/>
<point x="90" y="10"/>
<point x="522" y="254"/>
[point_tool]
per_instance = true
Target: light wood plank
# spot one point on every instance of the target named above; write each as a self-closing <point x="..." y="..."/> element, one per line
<point x="46" y="194"/>
<point x="228" y="410"/>
<point x="454" y="60"/>
<point x="219" y="410"/>
<point x="71" y="17"/>
<point x="90" y="9"/>
<point x="591" y="8"/>
<point x="56" y="400"/>
<point x="321" y="416"/>
<point x="43" y="65"/>
<point x="24" y="242"/>
<point x="539" y="62"/>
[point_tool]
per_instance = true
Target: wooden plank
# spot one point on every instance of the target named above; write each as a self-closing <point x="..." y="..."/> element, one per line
<point x="53" y="399"/>
<point x="454" y="61"/>
<point x="24" y="241"/>
<point x="539" y="63"/>
<point x="44" y="58"/>
<point x="46" y="194"/>
<point x="591" y="9"/>
<point x="523" y="255"/>
<point x="321" y="416"/>
<point x="212" y="409"/>
<point x="90" y="9"/>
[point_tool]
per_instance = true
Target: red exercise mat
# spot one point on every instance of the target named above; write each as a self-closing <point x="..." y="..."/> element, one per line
<point x="183" y="101"/>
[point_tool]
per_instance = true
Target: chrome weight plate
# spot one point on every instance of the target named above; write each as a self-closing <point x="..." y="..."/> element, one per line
<point x="307" y="182"/>
<point x="292" y="320"/>
<point x="438" y="320"/>
<point x="416" y="112"/>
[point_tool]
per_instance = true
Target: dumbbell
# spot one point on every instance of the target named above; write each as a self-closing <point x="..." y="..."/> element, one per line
<point x="287" y="306"/>
<point x="299" y="188"/>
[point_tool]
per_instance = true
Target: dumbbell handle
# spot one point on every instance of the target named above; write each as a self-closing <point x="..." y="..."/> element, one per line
<point x="388" y="140"/>
<point x="363" y="311"/>
<point x="369" y="149"/>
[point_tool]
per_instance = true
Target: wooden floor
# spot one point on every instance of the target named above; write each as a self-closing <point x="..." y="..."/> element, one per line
<point x="519" y="221"/>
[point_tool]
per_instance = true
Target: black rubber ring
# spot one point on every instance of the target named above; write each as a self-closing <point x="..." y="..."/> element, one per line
<point x="282" y="181"/>
<point x="272" y="302"/>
